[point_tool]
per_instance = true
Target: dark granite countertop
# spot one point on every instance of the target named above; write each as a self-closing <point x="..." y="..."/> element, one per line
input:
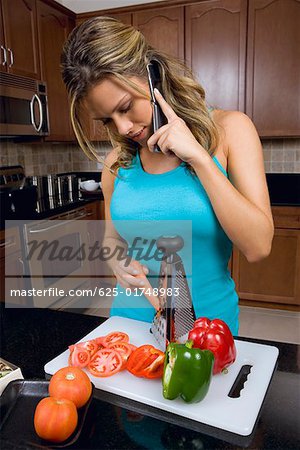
<point x="32" y="337"/>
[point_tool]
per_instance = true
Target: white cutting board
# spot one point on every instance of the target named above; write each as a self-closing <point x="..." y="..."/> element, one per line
<point x="237" y="415"/>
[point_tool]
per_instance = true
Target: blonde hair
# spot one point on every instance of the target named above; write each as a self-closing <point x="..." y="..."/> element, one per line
<point x="103" y="47"/>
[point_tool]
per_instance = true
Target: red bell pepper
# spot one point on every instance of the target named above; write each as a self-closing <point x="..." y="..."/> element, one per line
<point x="216" y="336"/>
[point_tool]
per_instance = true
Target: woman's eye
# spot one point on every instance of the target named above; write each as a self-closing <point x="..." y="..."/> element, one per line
<point x="125" y="110"/>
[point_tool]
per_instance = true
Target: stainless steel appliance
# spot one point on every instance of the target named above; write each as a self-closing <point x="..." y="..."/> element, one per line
<point x="23" y="106"/>
<point x="18" y="200"/>
<point x="55" y="258"/>
<point x="49" y="209"/>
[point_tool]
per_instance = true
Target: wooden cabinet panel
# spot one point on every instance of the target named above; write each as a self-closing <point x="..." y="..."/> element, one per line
<point x="3" y="52"/>
<point x="273" y="73"/>
<point x="123" y="17"/>
<point x="275" y="279"/>
<point x="163" y="29"/>
<point x="54" y="27"/>
<point x="20" y="35"/>
<point x="216" y="50"/>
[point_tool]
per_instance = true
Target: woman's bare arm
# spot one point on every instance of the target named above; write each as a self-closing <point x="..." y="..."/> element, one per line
<point x="242" y="204"/>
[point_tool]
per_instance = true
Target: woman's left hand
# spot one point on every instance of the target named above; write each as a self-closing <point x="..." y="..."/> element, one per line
<point x="175" y="137"/>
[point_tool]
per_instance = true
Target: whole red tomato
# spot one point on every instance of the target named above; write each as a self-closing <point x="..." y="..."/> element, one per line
<point x="55" y="419"/>
<point x="71" y="383"/>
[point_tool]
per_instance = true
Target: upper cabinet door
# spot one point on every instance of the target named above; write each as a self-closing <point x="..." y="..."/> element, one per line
<point x="123" y="17"/>
<point x="273" y="73"/>
<point x="54" y="27"/>
<point x="3" y="52"/>
<point x="163" y="29"/>
<point x="216" y="50"/>
<point x="20" y="35"/>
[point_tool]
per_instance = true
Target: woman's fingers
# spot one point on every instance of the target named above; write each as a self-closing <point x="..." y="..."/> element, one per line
<point x="156" y="136"/>
<point x="166" y="108"/>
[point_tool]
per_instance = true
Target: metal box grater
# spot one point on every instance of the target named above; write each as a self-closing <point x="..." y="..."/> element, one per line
<point x="176" y="315"/>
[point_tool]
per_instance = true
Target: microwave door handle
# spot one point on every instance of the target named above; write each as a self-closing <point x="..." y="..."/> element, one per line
<point x="36" y="98"/>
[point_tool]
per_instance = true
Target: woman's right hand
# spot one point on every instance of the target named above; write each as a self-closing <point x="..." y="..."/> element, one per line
<point x="130" y="275"/>
<point x="133" y="276"/>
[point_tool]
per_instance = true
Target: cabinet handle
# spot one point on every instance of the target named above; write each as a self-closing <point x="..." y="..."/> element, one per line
<point x="42" y="230"/>
<point x="11" y="56"/>
<point x="80" y="215"/>
<point x="10" y="242"/>
<point x="22" y="264"/>
<point x="4" y="55"/>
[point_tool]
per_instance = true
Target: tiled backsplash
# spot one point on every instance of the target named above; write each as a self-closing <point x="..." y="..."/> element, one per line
<point x="42" y="159"/>
<point x="280" y="155"/>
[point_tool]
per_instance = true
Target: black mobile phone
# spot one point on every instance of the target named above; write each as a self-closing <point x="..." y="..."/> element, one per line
<point x="154" y="80"/>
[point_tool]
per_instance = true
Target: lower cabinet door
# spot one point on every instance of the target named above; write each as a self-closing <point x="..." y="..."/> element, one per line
<point x="275" y="279"/>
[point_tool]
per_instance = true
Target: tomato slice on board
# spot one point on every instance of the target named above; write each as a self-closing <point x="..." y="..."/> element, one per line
<point x="105" y="362"/>
<point x="79" y="357"/>
<point x="99" y="342"/>
<point x="115" y="336"/>
<point x="133" y="347"/>
<point x="123" y="348"/>
<point x="146" y="361"/>
<point x="91" y="346"/>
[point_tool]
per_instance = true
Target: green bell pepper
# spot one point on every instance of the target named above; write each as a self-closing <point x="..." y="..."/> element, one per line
<point x="187" y="372"/>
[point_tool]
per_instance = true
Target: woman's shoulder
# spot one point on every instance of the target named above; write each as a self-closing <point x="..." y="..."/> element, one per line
<point x="233" y="126"/>
<point x="230" y="118"/>
<point x="111" y="157"/>
<point x="108" y="176"/>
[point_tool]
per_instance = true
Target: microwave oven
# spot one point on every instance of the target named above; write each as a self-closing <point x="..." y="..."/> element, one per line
<point x="23" y="106"/>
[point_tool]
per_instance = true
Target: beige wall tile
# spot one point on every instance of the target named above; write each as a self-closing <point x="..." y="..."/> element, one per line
<point x="288" y="167"/>
<point x="276" y="167"/>
<point x="267" y="154"/>
<point x="280" y="155"/>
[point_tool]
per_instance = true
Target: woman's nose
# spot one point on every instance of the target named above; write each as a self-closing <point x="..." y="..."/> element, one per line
<point x="124" y="126"/>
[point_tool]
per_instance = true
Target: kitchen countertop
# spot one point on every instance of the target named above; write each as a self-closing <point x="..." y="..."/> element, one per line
<point x="32" y="337"/>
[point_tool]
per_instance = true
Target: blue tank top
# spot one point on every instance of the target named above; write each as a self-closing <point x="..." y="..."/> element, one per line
<point x="178" y="198"/>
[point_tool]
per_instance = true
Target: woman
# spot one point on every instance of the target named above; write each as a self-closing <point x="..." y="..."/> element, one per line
<point x="210" y="170"/>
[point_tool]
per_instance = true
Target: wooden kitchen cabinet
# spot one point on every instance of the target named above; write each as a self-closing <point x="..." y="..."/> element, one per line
<point x="163" y="28"/>
<point x="19" y="40"/>
<point x="274" y="281"/>
<point x="11" y="265"/>
<point x="215" y="44"/>
<point x="123" y="17"/>
<point x="273" y="67"/>
<point x="54" y="27"/>
<point x="89" y="211"/>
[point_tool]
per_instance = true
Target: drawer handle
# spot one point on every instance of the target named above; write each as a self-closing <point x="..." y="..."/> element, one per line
<point x="10" y="242"/>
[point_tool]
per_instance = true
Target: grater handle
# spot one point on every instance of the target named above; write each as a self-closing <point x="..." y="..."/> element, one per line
<point x="170" y="244"/>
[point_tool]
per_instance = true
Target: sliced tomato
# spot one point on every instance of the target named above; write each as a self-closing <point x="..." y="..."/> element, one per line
<point x="115" y="336"/>
<point x="91" y="346"/>
<point x="123" y="348"/>
<point x="146" y="361"/>
<point x="79" y="357"/>
<point x="133" y="347"/>
<point x="105" y="362"/>
<point x="99" y="342"/>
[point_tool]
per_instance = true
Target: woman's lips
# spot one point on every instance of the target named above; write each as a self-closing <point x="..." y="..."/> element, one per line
<point x="139" y="136"/>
